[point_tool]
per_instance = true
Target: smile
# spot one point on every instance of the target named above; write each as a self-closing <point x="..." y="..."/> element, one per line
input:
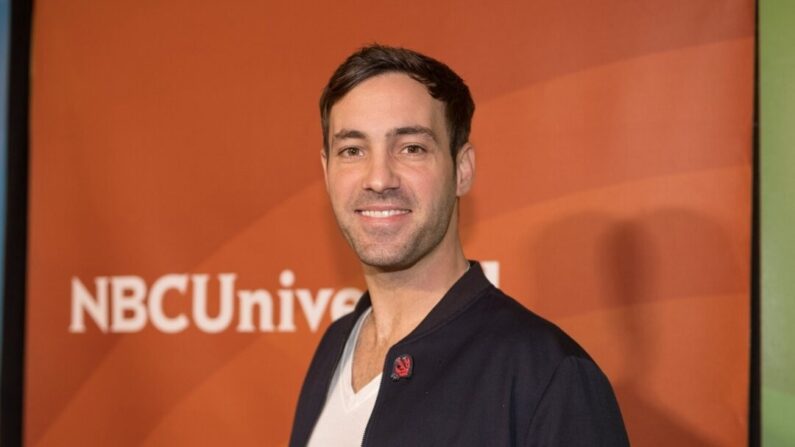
<point x="382" y="213"/>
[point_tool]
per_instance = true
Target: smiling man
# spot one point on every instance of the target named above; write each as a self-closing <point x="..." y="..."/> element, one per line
<point x="433" y="354"/>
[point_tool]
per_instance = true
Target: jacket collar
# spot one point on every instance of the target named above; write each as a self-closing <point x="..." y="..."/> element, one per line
<point x="464" y="292"/>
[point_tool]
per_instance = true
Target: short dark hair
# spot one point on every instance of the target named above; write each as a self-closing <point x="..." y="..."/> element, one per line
<point x="442" y="84"/>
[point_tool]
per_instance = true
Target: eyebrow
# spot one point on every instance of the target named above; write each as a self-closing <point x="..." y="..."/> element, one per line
<point x="349" y="134"/>
<point x="399" y="131"/>
<point x="413" y="130"/>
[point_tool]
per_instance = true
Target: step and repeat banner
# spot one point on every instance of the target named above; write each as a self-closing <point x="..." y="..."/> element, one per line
<point x="184" y="262"/>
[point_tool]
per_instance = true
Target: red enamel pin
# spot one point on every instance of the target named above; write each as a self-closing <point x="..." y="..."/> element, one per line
<point x="402" y="367"/>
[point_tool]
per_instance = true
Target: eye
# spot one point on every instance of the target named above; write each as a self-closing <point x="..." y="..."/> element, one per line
<point x="350" y="152"/>
<point x="414" y="149"/>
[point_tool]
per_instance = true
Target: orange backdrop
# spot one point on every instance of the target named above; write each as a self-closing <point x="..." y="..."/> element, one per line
<point x="182" y="138"/>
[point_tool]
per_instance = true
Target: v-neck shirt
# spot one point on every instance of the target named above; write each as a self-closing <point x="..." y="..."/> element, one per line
<point x="345" y="415"/>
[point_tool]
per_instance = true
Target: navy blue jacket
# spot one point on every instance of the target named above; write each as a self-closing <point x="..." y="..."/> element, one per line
<point x="486" y="372"/>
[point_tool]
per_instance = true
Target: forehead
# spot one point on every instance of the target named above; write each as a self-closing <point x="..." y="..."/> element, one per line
<point x="385" y="102"/>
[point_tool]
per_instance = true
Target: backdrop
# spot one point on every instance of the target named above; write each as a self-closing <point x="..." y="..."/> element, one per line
<point x="777" y="98"/>
<point x="183" y="261"/>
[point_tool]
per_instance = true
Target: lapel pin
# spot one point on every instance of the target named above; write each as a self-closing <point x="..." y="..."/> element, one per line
<point x="402" y="368"/>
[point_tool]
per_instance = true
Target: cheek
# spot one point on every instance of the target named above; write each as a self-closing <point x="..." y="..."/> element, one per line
<point x="340" y="189"/>
<point x="433" y="186"/>
<point x="334" y="179"/>
<point x="335" y="194"/>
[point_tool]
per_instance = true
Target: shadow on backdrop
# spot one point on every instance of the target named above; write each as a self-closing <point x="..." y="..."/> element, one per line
<point x="606" y="263"/>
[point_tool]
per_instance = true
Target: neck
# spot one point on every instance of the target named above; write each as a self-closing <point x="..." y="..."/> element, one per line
<point x="401" y="299"/>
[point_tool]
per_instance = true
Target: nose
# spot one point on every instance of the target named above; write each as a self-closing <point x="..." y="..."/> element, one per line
<point x="381" y="174"/>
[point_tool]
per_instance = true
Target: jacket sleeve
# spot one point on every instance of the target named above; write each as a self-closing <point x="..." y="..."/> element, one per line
<point x="578" y="408"/>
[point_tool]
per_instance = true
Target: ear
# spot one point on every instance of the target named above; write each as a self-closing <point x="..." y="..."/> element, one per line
<point x="465" y="169"/>
<point x="324" y="165"/>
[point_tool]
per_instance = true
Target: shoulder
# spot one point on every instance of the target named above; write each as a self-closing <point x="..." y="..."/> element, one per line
<point x="528" y="345"/>
<point x="569" y="396"/>
<point x="512" y="324"/>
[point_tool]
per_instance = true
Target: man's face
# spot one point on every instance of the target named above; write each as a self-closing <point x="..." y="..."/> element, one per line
<point x="389" y="172"/>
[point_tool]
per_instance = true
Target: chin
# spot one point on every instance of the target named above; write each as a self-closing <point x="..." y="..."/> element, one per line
<point x="386" y="263"/>
<point x="386" y="260"/>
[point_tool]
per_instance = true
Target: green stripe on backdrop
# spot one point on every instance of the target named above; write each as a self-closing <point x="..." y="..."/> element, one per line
<point x="777" y="89"/>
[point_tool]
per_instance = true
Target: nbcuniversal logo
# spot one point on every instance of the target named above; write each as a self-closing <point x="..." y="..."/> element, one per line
<point x="127" y="304"/>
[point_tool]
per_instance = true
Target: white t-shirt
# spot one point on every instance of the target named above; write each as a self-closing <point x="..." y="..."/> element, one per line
<point x="345" y="416"/>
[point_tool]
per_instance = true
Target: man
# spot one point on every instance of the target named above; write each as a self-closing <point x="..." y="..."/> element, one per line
<point x="433" y="354"/>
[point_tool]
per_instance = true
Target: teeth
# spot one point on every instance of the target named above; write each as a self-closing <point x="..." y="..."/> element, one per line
<point x="382" y="213"/>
